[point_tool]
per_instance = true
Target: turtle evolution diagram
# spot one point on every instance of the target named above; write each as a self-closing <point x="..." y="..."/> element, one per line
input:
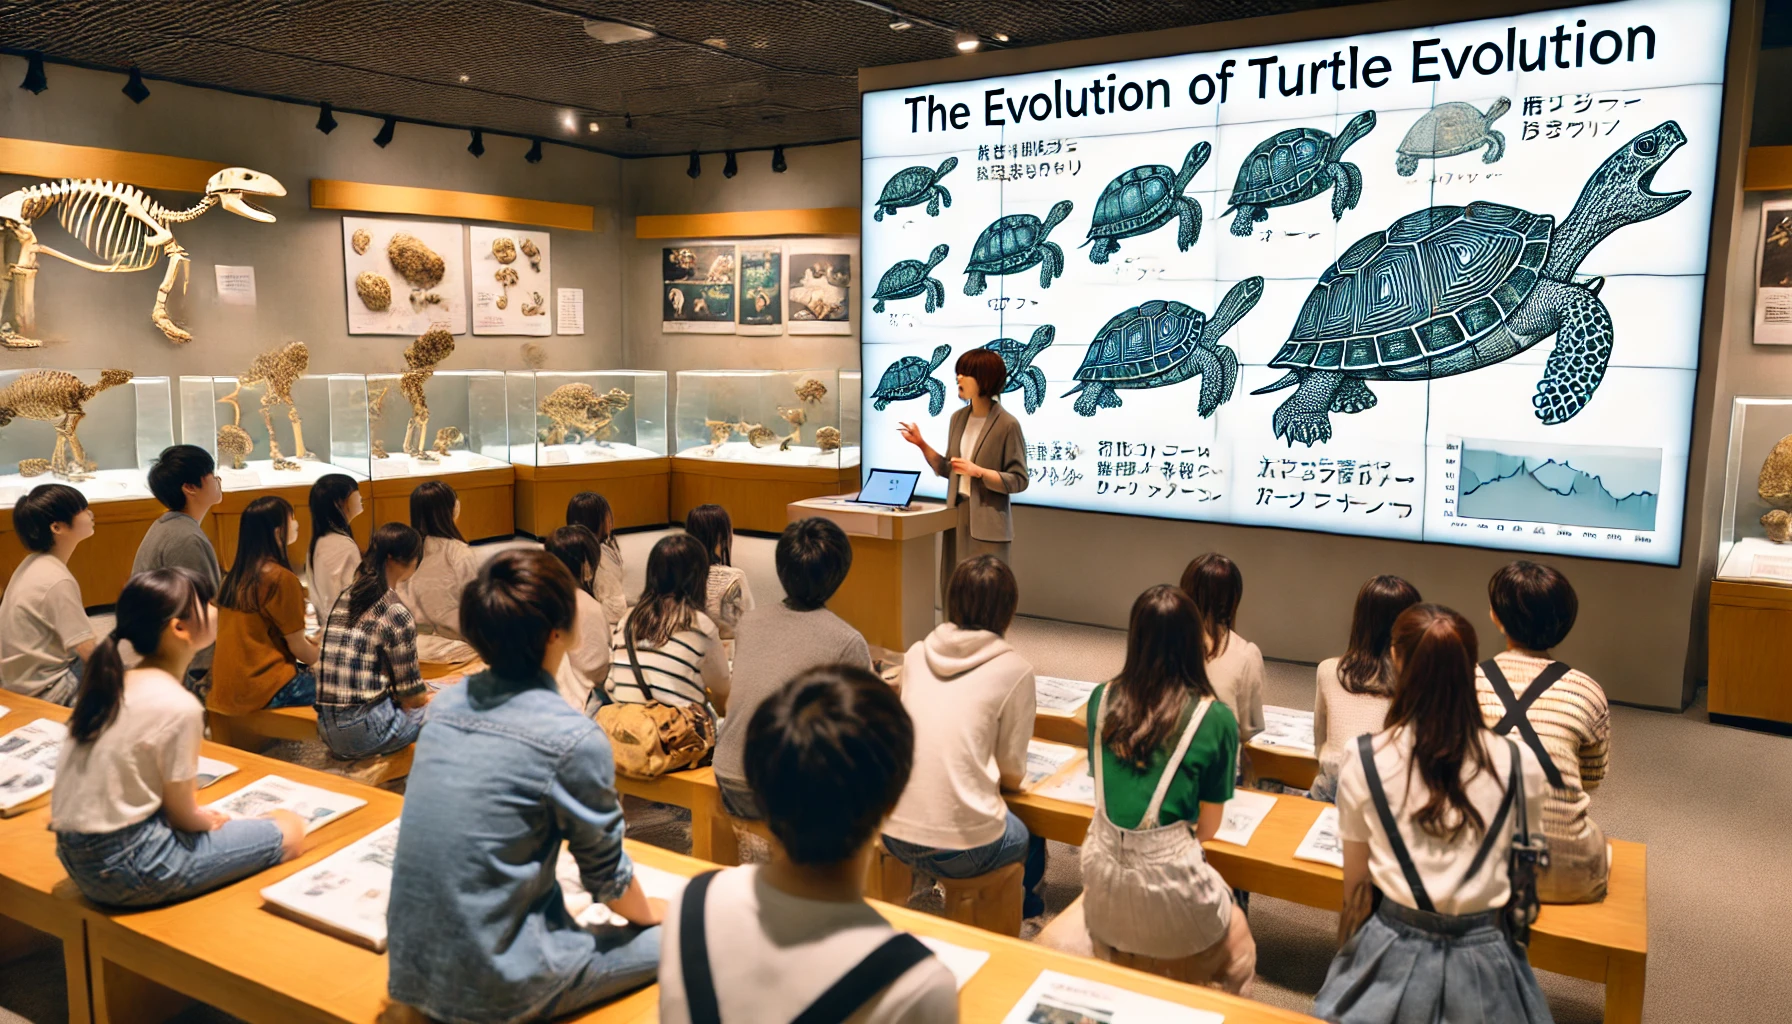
<point x="1281" y="285"/>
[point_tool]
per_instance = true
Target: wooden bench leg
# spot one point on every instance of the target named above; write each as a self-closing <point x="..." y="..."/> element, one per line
<point x="19" y="940"/>
<point x="724" y="845"/>
<point x="992" y="902"/>
<point x="708" y="821"/>
<point x="121" y="996"/>
<point x="887" y="878"/>
<point x="1625" y="979"/>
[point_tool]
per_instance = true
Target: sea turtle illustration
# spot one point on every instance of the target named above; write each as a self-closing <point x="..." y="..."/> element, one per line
<point x="913" y="186"/>
<point x="1144" y="199"/>
<point x="1012" y="244"/>
<point x="912" y="377"/>
<point x="1023" y="376"/>
<point x="1163" y="342"/>
<point x="910" y="278"/>
<point x="1451" y="289"/>
<point x="1451" y="129"/>
<point x="1296" y="165"/>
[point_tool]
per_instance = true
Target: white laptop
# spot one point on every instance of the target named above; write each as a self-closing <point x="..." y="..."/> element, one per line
<point x="887" y="488"/>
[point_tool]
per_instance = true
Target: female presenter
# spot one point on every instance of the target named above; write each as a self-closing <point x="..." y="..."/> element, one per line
<point x="985" y="462"/>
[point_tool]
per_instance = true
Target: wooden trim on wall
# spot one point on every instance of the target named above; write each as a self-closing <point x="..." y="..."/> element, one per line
<point x="437" y="202"/>
<point x="50" y="160"/>
<point x="1769" y="169"/>
<point x="830" y="220"/>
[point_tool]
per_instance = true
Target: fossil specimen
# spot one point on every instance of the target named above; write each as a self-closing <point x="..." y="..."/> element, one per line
<point x="58" y="398"/>
<point x="1775" y="483"/>
<point x="757" y="435"/>
<point x="577" y="409"/>
<point x="828" y="439"/>
<point x="375" y="291"/>
<point x="423" y="355"/>
<point x="376" y="414"/>
<point x="503" y="250"/>
<point x="447" y="438"/>
<point x="719" y="431"/>
<point x="533" y="251"/>
<point x="536" y="306"/>
<point x="279" y="370"/>
<point x="1778" y="524"/>
<point x="506" y="276"/>
<point x="811" y="390"/>
<point x="235" y="444"/>
<point x="360" y="240"/>
<point x="420" y="266"/>
<point x="796" y="418"/>
<point x="33" y="467"/>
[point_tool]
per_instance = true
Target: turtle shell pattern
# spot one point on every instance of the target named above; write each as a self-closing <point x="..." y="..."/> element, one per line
<point x="1447" y="130"/>
<point x="906" y="185"/>
<point x="900" y="280"/>
<point x="1139" y="198"/>
<point x="903" y="379"/>
<point x="1420" y="299"/>
<point x="1006" y="245"/>
<point x="1144" y="342"/>
<point x="1281" y="166"/>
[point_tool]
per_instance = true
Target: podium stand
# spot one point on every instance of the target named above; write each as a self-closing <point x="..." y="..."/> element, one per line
<point x="889" y="594"/>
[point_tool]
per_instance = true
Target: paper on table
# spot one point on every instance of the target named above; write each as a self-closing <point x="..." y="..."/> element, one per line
<point x="1286" y="727"/>
<point x="211" y="770"/>
<point x="963" y="963"/>
<point x="1056" y="696"/>
<point x="4" y="711"/>
<point x="28" y="761"/>
<point x="1044" y="759"/>
<point x="318" y="807"/>
<point x="1244" y="812"/>
<point x="344" y="894"/>
<point x="1075" y="787"/>
<point x="588" y="912"/>
<point x="1322" y="843"/>
<point x="1055" y="998"/>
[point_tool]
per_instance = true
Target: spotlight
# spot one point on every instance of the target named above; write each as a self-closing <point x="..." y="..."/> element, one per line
<point x="594" y="127"/>
<point x="384" y="138"/>
<point x="464" y="79"/>
<point x="135" y="89"/>
<point x="477" y="146"/>
<point x="778" y="164"/>
<point x="899" y="25"/>
<point x="326" y="121"/>
<point x="34" y="75"/>
<point x="729" y="167"/>
<point x="1001" y="37"/>
<point x="695" y="168"/>
<point x="966" y="41"/>
<point x="534" y="154"/>
<point x="568" y="121"/>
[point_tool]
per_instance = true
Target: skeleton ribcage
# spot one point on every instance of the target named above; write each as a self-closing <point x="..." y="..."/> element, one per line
<point x="104" y="224"/>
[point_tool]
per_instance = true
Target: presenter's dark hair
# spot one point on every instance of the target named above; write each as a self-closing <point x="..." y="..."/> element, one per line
<point x="327" y="517"/>
<point x="261" y="538"/>
<point x="986" y="368"/>
<point x="432" y="510"/>
<point x="1216" y="586"/>
<point x="828" y="756"/>
<point x="178" y="467"/>
<point x="44" y="507"/>
<point x="982" y="594"/>
<point x="813" y="558"/>
<point x="592" y="511"/>
<point x="578" y="550"/>
<point x="1166" y="667"/>
<point x="393" y="542"/>
<point x="1434" y="696"/>
<point x="1535" y="604"/>
<point x="714" y="530"/>
<point x="148" y="602"/>
<point x="508" y="610"/>
<point x="1368" y="663"/>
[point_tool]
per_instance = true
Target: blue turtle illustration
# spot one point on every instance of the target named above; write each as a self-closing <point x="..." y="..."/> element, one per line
<point x="1451" y="289"/>
<point x="1451" y="129"/>
<point x="913" y="186"/>
<point x="1297" y="165"/>
<point x="1144" y="199"/>
<point x="1013" y="243"/>
<point x="1163" y="342"/>
<point x="912" y="377"/>
<point x="910" y="278"/>
<point x="1023" y="376"/>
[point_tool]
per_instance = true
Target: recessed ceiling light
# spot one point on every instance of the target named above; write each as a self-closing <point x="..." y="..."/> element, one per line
<point x="569" y="121"/>
<point x="594" y="126"/>
<point x="1001" y="37"/>
<point x="717" y="42"/>
<point x="901" y="26"/>
<point x="616" y="31"/>
<point x="465" y="78"/>
<point x="966" y="42"/>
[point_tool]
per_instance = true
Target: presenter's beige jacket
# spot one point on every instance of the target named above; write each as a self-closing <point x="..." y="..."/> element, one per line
<point x="1001" y="447"/>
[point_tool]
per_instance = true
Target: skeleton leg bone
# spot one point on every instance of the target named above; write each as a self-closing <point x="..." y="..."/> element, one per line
<point x="280" y="461"/>
<point x="298" y="434"/>
<point x="20" y="278"/>
<point x="177" y="259"/>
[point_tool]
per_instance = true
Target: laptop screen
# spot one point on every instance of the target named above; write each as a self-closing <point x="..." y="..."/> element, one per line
<point x="893" y="487"/>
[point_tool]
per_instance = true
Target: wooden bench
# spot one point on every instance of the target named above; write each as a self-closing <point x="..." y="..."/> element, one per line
<point x="1290" y="767"/>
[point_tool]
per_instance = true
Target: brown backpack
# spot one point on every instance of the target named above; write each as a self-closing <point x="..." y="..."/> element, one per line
<point x="649" y="740"/>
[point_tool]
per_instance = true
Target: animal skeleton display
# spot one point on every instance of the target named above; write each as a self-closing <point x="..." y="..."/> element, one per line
<point x="578" y="409"/>
<point x="121" y="225"/>
<point x="423" y="355"/>
<point x="279" y="369"/>
<point x="447" y="438"/>
<point x="376" y="415"/>
<point x="58" y="398"/>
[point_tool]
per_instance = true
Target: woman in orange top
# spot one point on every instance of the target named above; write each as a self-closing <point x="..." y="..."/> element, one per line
<point x="263" y="653"/>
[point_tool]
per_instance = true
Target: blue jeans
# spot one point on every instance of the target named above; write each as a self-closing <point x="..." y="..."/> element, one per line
<point x="301" y="692"/>
<point x="740" y="800"/>
<point x="368" y="730"/>
<point x="149" y="864"/>
<point x="626" y="958"/>
<point x="1016" y="845"/>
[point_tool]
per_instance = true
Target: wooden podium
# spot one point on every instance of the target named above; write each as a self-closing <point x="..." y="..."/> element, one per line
<point x="889" y="594"/>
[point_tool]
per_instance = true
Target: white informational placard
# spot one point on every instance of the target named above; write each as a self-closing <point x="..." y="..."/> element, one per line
<point x="1055" y="998"/>
<point x="1773" y="275"/>
<point x="344" y="894"/>
<point x="570" y="314"/>
<point x="1059" y="696"/>
<point x="1074" y="787"/>
<point x="1440" y="284"/>
<point x="28" y="762"/>
<point x="1243" y="813"/>
<point x="211" y="770"/>
<point x="819" y="286"/>
<point x="1322" y="843"/>
<point x="403" y="276"/>
<point x="236" y="285"/>
<point x="511" y="270"/>
<point x="963" y="963"/>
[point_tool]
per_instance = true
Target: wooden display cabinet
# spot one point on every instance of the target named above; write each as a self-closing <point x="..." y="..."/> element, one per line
<point x="487" y="500"/>
<point x="102" y="564"/>
<point x="638" y="490"/>
<point x="757" y="497"/>
<point x="224" y="524"/>
<point x="1749" y="664"/>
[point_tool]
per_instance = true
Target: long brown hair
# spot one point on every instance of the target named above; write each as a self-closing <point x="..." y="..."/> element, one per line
<point x="393" y="542"/>
<point x="260" y="540"/>
<point x="1216" y="586"/>
<point x="677" y="589"/>
<point x="1368" y="664"/>
<point x="1165" y="669"/>
<point x="1435" y="698"/>
<point x="432" y="510"/>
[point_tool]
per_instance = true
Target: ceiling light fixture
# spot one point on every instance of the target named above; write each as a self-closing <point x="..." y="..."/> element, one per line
<point x="1001" y="37"/>
<point x="569" y="121"/>
<point x="729" y="167"/>
<point x="900" y="25"/>
<point x="696" y="167"/>
<point x="477" y="146"/>
<point x="326" y="121"/>
<point x="594" y="127"/>
<point x="135" y="89"/>
<point x="534" y="154"/>
<point x="778" y="164"/>
<point x="966" y="41"/>
<point x="384" y="138"/>
<point x="464" y="79"/>
<point x="34" y="75"/>
<point x="717" y="42"/>
<point x="608" y="32"/>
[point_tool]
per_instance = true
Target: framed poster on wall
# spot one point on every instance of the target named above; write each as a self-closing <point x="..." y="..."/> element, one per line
<point x="699" y="289"/>
<point x="402" y="276"/>
<point x="761" y="292"/>
<point x="820" y="299"/>
<point x="511" y="271"/>
<point x="1773" y="275"/>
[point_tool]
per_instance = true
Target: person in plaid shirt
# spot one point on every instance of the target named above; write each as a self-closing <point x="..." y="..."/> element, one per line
<point x="370" y="690"/>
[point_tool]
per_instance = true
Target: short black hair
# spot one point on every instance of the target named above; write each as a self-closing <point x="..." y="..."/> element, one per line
<point x="813" y="559"/>
<point x="1535" y="604"/>
<point x="508" y="610"/>
<point x="178" y="466"/>
<point x="828" y="756"/>
<point x="982" y="594"/>
<point x="46" y="505"/>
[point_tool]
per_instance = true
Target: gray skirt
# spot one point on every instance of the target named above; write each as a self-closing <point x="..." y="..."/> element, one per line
<point x="1405" y="966"/>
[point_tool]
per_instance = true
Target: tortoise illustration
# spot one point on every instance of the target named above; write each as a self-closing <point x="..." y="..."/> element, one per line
<point x="1451" y="129"/>
<point x="1451" y="289"/>
<point x="910" y="278"/>
<point x="1023" y="376"/>
<point x="912" y="377"/>
<point x="1163" y="342"/>
<point x="1012" y="244"/>
<point x="913" y="186"/>
<point x="1144" y="199"/>
<point x="1297" y="165"/>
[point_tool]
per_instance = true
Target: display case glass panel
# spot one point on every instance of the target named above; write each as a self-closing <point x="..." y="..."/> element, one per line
<point x="559" y="418"/>
<point x="769" y="417"/>
<point x="98" y="434"/>
<point x="328" y="415"/>
<point x="852" y="392"/>
<point x="1755" y="541"/>
<point x="459" y="427"/>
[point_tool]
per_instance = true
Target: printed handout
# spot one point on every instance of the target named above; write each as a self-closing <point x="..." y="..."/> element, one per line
<point x="211" y="770"/>
<point x="1058" y="696"/>
<point x="963" y="963"/>
<point x="1055" y="998"/>
<point x="1286" y="728"/>
<point x="591" y="914"/>
<point x="316" y="806"/>
<point x="1244" y="812"/>
<point x="1322" y="843"/>
<point x="1044" y="759"/>
<point x="28" y="762"/>
<point x="345" y="893"/>
<point x="1074" y="787"/>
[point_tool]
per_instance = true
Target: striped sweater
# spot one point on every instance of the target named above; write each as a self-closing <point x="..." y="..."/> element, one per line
<point x="1574" y="723"/>
<point x="689" y="668"/>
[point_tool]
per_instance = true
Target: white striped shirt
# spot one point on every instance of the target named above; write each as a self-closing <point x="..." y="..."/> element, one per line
<point x="689" y="668"/>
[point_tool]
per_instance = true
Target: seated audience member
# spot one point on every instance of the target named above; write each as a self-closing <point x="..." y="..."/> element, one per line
<point x="827" y="757"/>
<point x="449" y="564"/>
<point x="587" y="665"/>
<point x="45" y="637"/>
<point x="778" y="642"/>
<point x="370" y="690"/>
<point x="590" y="510"/>
<point x="1234" y="664"/>
<point x="505" y="774"/>
<point x="125" y="809"/>
<point x="185" y="480"/>
<point x="1148" y="891"/>
<point x="1353" y="691"/>
<point x="262" y="650"/>
<point x="334" y="556"/>
<point x="727" y="596"/>
<point x="972" y="700"/>
<point x="1567" y="722"/>
<point x="1423" y="899"/>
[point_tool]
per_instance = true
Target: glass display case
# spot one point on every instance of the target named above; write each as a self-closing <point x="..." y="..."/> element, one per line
<point x="458" y="427"/>
<point x="277" y="444"/>
<point x="852" y="393"/>
<point x="95" y="430"/>
<point x="787" y="418"/>
<point x="559" y="418"/>
<point x="1755" y="541"/>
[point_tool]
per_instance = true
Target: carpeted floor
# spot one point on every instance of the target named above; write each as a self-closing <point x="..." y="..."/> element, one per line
<point x="1709" y="801"/>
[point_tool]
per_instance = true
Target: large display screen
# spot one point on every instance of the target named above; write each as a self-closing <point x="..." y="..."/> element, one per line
<point x="1438" y="284"/>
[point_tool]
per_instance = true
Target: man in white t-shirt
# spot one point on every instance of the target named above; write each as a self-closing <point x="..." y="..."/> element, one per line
<point x="45" y="637"/>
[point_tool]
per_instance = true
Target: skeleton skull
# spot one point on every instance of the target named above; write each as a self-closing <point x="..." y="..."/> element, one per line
<point x="233" y="184"/>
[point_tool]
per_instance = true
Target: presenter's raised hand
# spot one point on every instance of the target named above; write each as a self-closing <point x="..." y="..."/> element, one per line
<point x="912" y="434"/>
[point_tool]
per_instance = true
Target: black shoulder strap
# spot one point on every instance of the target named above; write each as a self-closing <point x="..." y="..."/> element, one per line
<point x="1365" y="745"/>
<point x="1496" y="830"/>
<point x="693" y="953"/>
<point x="1518" y="711"/>
<point x="869" y="977"/>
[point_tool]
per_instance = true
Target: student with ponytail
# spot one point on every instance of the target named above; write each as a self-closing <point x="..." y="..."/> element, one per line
<point x="370" y="689"/>
<point x="449" y="564"/>
<point x="125" y="809"/>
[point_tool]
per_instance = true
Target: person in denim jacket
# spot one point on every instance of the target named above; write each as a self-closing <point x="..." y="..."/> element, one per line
<point x="478" y="927"/>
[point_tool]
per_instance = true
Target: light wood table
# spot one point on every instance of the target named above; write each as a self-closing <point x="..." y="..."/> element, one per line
<point x="225" y="522"/>
<point x="638" y="491"/>
<point x="1750" y="647"/>
<point x="1072" y="728"/>
<point x="30" y="874"/>
<point x="889" y="594"/>
<point x="754" y="495"/>
<point x="487" y="500"/>
<point x="102" y="564"/>
<point x="1290" y="767"/>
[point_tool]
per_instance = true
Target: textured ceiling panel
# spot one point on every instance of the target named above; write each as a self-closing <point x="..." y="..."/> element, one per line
<point x="717" y="74"/>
